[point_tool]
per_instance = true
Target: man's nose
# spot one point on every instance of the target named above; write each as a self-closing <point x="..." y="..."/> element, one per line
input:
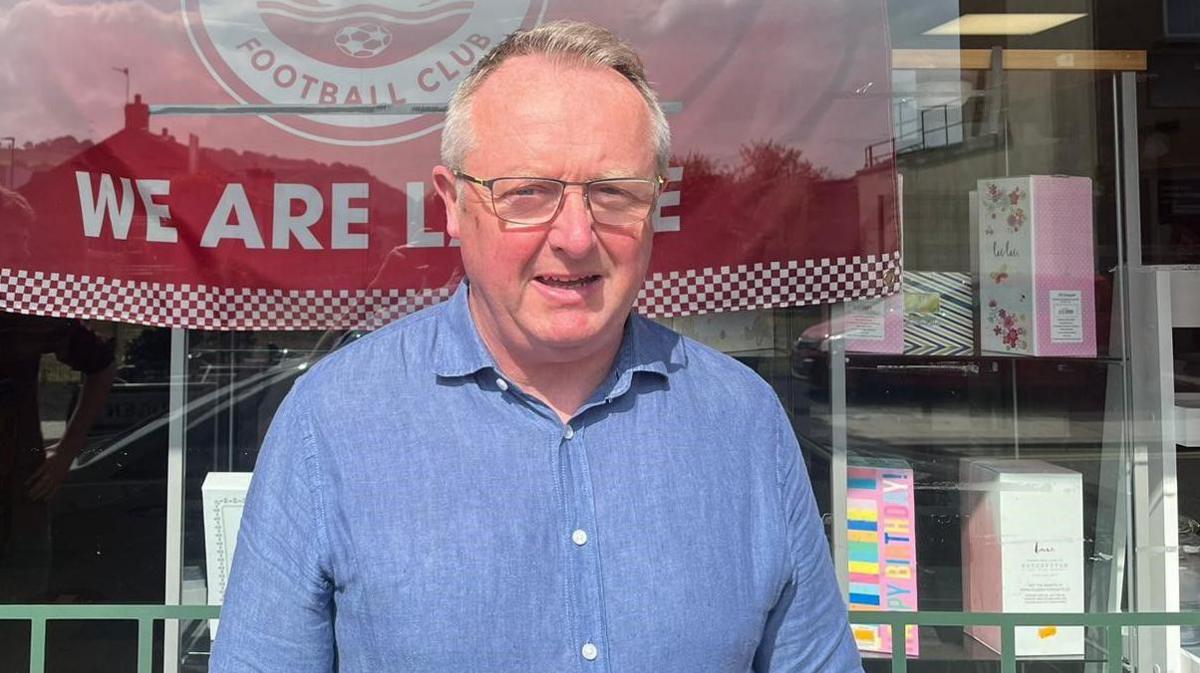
<point x="572" y="231"/>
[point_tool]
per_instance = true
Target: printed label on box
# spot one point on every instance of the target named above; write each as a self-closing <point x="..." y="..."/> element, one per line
<point x="864" y="320"/>
<point x="1066" y="317"/>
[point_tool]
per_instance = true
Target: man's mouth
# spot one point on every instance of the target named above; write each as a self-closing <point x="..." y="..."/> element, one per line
<point x="567" y="281"/>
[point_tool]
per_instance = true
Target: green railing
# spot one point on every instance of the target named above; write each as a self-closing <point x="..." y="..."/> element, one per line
<point x="1111" y="622"/>
<point x="146" y="615"/>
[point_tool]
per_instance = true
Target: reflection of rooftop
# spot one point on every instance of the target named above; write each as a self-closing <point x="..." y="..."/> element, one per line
<point x="136" y="151"/>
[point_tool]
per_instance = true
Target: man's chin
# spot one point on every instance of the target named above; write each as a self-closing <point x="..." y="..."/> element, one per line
<point x="575" y="338"/>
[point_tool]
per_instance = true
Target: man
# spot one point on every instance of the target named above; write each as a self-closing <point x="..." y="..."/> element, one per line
<point x="528" y="477"/>
<point x="31" y="471"/>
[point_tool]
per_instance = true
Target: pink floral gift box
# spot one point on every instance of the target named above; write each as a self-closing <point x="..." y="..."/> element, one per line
<point x="1036" y="266"/>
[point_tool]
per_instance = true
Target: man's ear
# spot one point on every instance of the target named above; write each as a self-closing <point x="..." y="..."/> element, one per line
<point x="447" y="188"/>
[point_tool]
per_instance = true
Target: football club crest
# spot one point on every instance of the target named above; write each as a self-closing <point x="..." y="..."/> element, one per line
<point x="346" y="52"/>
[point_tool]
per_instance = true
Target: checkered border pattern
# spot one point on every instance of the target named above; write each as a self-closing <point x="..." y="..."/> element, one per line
<point x="769" y="285"/>
<point x="206" y="307"/>
<point x="676" y="293"/>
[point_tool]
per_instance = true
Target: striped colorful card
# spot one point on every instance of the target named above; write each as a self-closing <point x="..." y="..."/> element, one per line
<point x="882" y="548"/>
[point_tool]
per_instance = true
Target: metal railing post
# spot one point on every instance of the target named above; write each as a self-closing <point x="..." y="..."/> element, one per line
<point x="37" y="645"/>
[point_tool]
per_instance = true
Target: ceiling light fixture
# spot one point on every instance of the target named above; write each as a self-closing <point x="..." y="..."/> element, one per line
<point x="1002" y="24"/>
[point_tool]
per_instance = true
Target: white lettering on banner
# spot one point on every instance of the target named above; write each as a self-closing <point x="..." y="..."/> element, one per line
<point x="285" y="225"/>
<point x="417" y="236"/>
<point x="666" y="199"/>
<point x="296" y="209"/>
<point x="233" y="202"/>
<point x="345" y="215"/>
<point x="156" y="213"/>
<point x="104" y="205"/>
<point x="441" y="71"/>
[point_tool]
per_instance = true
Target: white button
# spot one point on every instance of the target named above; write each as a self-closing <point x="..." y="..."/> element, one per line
<point x="502" y="384"/>
<point x="589" y="651"/>
<point x="568" y="431"/>
<point x="579" y="537"/>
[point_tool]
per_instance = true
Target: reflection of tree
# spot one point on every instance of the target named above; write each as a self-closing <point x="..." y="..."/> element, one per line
<point x="763" y="168"/>
<point x="768" y="160"/>
<point x="768" y="183"/>
<point x="148" y="356"/>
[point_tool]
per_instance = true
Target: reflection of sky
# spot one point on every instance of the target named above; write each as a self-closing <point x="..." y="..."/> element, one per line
<point x="745" y="70"/>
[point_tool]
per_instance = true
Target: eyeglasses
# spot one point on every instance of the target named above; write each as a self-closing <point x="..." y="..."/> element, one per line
<point x="531" y="202"/>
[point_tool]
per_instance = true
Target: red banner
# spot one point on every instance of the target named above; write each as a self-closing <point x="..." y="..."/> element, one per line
<point x="191" y="210"/>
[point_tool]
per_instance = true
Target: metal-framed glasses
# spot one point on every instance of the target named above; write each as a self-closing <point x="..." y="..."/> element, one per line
<point x="531" y="202"/>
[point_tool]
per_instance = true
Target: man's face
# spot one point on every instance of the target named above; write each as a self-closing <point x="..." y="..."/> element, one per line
<point x="561" y="291"/>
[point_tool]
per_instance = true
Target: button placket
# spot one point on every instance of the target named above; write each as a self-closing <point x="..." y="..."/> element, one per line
<point x="587" y="594"/>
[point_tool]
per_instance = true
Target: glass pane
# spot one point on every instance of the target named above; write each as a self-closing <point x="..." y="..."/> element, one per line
<point x="95" y="394"/>
<point x="325" y="226"/>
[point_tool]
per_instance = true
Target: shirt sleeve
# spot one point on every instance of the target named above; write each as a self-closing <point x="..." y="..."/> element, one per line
<point x="278" y="612"/>
<point x="808" y="629"/>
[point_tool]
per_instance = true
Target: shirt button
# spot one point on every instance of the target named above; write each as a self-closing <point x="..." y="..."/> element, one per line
<point x="568" y="431"/>
<point x="579" y="537"/>
<point x="589" y="651"/>
<point x="502" y="384"/>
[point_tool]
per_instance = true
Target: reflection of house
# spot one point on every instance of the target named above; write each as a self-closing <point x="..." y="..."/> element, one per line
<point x="197" y="179"/>
<point x="33" y="158"/>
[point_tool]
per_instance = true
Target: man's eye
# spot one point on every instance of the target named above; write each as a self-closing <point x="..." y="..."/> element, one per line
<point x="525" y="191"/>
<point x="612" y="190"/>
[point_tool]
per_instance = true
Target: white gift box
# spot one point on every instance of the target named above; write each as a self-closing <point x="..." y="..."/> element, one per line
<point x="1023" y="550"/>
<point x="224" y="495"/>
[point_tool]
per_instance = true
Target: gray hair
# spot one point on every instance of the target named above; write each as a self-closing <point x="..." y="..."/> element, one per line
<point x="575" y="42"/>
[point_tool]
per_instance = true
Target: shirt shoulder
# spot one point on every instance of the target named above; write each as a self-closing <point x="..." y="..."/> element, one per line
<point x="398" y="354"/>
<point x="708" y="371"/>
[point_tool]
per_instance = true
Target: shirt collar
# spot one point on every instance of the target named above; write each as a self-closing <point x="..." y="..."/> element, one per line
<point x="458" y="349"/>
<point x="645" y="346"/>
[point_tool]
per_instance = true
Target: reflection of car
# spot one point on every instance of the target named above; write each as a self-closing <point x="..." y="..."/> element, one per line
<point x="109" y="519"/>
<point x="924" y="378"/>
<point x="110" y="516"/>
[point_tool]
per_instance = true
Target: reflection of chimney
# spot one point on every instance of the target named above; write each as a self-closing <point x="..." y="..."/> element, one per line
<point x="137" y="114"/>
<point x="193" y="153"/>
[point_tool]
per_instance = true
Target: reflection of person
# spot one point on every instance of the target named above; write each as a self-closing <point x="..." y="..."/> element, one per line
<point x="528" y="477"/>
<point x="30" y="472"/>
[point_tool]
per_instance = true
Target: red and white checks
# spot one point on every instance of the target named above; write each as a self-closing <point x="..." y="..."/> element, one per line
<point x="677" y="293"/>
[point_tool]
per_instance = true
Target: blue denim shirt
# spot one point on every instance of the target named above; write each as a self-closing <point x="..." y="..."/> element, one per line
<point x="412" y="510"/>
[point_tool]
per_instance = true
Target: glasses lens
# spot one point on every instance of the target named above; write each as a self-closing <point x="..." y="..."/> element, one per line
<point x="621" y="201"/>
<point x="526" y="200"/>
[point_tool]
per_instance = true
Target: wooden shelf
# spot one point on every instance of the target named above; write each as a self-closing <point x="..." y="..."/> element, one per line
<point x="1019" y="59"/>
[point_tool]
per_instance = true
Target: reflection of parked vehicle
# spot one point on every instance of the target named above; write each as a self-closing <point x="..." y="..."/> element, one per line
<point x="110" y="515"/>
<point x="924" y="378"/>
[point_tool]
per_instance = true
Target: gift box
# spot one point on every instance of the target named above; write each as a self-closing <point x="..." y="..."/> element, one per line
<point x="1036" y="266"/>
<point x="881" y="548"/>
<point x="938" y="313"/>
<point x="875" y="325"/>
<point x="1023" y="550"/>
<point x="733" y="332"/>
<point x="224" y="496"/>
<point x="932" y="315"/>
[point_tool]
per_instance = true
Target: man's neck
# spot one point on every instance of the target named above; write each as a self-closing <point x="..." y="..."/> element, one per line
<point x="563" y="386"/>
<point x="563" y="382"/>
